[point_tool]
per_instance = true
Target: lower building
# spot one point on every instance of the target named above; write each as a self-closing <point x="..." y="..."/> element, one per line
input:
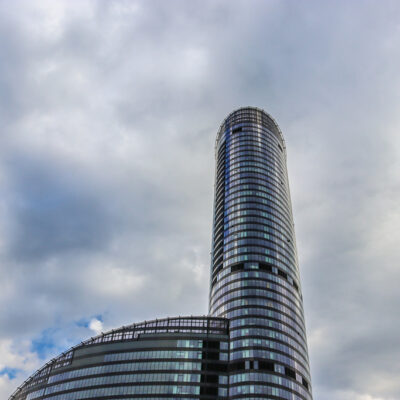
<point x="172" y="358"/>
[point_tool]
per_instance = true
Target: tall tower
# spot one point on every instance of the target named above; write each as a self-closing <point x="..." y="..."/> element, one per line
<point x="252" y="345"/>
<point x="254" y="272"/>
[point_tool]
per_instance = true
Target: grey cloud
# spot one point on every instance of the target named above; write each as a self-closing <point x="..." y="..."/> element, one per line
<point x="54" y="211"/>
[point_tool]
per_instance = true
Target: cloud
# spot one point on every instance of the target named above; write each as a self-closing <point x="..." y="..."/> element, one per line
<point x="96" y="326"/>
<point x="108" y="114"/>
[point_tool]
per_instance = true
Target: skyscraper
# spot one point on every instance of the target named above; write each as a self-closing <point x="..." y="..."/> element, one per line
<point x="253" y="343"/>
<point x="254" y="273"/>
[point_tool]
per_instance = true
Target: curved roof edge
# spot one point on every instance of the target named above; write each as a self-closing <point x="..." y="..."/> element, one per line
<point x="252" y="108"/>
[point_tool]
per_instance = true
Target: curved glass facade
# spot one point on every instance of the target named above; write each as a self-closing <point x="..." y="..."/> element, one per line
<point x="253" y="343"/>
<point x="254" y="272"/>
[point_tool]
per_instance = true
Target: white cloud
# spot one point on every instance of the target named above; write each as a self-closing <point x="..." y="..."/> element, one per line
<point x="17" y="357"/>
<point x="96" y="326"/>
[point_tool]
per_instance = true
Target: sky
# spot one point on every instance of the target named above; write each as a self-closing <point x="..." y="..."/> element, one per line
<point x="108" y="117"/>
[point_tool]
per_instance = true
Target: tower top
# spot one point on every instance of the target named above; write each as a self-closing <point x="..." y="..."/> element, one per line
<point x="250" y="114"/>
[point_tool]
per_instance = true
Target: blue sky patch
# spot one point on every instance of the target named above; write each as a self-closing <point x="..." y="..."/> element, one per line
<point x="11" y="372"/>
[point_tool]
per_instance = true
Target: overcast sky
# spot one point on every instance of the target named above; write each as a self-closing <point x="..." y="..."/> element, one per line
<point x="108" y="117"/>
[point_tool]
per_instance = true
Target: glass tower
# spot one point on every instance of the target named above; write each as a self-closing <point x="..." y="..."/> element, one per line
<point x="252" y="345"/>
<point x="254" y="272"/>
